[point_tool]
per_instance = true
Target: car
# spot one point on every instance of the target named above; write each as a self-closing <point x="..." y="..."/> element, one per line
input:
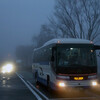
<point x="7" y="71"/>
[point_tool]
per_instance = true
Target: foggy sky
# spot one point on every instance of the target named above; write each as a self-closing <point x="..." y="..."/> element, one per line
<point x="20" y="20"/>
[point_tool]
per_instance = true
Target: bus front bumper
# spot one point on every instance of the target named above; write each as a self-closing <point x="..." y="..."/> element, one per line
<point x="74" y="84"/>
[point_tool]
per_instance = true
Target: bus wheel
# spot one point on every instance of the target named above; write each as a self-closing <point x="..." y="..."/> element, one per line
<point x="48" y="82"/>
<point x="36" y="81"/>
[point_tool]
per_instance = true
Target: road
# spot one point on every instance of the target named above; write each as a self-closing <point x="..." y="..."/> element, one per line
<point x="73" y="94"/>
<point x="14" y="89"/>
<point x="22" y="87"/>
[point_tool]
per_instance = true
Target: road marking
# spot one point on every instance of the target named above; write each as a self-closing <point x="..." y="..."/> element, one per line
<point x="33" y="92"/>
<point x="32" y="88"/>
<point x="21" y="76"/>
<point x="38" y="91"/>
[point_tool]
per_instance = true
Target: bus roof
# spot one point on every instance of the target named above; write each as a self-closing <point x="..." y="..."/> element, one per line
<point x="66" y="41"/>
<point x="69" y="41"/>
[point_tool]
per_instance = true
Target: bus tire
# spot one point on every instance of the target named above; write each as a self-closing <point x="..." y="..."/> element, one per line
<point x="36" y="81"/>
<point x="48" y="82"/>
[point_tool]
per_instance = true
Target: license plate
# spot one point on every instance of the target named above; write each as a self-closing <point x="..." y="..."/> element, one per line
<point x="78" y="78"/>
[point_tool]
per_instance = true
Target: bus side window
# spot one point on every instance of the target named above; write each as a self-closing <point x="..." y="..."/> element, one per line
<point x="53" y="58"/>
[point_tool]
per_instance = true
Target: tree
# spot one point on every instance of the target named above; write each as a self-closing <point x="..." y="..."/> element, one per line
<point x="77" y="18"/>
<point x="72" y="19"/>
<point x="45" y="35"/>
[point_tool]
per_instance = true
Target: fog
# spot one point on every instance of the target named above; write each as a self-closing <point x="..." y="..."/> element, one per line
<point x="20" y="20"/>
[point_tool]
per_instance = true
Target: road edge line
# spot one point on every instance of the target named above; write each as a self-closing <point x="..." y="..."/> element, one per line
<point x="39" y="91"/>
<point x="33" y="92"/>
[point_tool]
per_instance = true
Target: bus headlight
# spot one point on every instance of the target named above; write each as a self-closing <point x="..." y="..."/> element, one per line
<point x="94" y="83"/>
<point x="61" y="84"/>
<point x="7" y="68"/>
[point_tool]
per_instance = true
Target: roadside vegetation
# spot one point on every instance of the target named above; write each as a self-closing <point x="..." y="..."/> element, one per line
<point x="70" y="19"/>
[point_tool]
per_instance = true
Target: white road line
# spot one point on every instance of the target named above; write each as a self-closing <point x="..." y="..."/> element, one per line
<point x="35" y="94"/>
<point x="38" y="91"/>
<point x="21" y="76"/>
<point x="79" y="98"/>
<point x="38" y="97"/>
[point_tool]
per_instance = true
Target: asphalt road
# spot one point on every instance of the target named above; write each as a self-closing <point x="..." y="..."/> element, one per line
<point x="71" y="94"/>
<point x="18" y="88"/>
<point x="14" y="89"/>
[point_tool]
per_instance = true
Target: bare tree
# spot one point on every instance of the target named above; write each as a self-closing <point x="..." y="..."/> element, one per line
<point x="72" y="19"/>
<point x="46" y="33"/>
<point x="77" y="18"/>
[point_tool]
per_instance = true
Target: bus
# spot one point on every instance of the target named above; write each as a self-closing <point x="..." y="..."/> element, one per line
<point x="62" y="63"/>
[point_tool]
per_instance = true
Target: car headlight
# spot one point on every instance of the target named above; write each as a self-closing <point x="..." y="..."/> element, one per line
<point x="94" y="83"/>
<point x="61" y="84"/>
<point x="7" y="68"/>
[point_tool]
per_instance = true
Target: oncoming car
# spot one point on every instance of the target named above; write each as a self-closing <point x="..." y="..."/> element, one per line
<point x="7" y="71"/>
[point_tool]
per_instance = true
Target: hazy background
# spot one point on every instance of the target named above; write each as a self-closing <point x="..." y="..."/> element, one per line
<point x="19" y="21"/>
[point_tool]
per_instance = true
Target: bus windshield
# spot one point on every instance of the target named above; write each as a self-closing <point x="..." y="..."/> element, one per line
<point x="76" y="56"/>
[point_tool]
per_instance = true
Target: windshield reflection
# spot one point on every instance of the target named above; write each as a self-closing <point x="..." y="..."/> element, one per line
<point x="76" y="57"/>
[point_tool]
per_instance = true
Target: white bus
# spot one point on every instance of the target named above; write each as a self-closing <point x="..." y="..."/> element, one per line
<point x="61" y="63"/>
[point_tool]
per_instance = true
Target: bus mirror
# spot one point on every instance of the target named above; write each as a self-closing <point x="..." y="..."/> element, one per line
<point x="52" y="58"/>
